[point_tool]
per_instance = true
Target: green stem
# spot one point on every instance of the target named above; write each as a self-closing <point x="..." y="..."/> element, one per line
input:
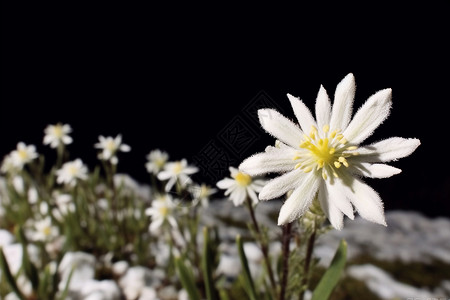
<point x="309" y="252"/>
<point x="263" y="245"/>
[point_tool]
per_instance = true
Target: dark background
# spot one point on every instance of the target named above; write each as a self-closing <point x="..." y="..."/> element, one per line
<point x="176" y="77"/>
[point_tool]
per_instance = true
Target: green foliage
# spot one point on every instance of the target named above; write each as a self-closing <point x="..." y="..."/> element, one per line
<point x="246" y="275"/>
<point x="187" y="279"/>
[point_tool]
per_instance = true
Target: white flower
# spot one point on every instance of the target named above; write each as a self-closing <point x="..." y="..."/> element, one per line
<point x="156" y="161"/>
<point x="323" y="156"/>
<point x="110" y="146"/>
<point x="161" y="211"/>
<point x="44" y="230"/>
<point x="58" y="134"/>
<point x="8" y="164"/>
<point x="241" y="186"/>
<point x="178" y="170"/>
<point x="71" y="171"/>
<point x="23" y="155"/>
<point x="201" y="193"/>
<point x="83" y="266"/>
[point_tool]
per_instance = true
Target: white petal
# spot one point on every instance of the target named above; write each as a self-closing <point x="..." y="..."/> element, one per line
<point x="366" y="201"/>
<point x="238" y="196"/>
<point x="275" y="160"/>
<point x="251" y="193"/>
<point x="333" y="213"/>
<point x="300" y="200"/>
<point x="282" y="184"/>
<point x="124" y="148"/>
<point x="323" y="108"/>
<point x="164" y="175"/>
<point x="369" y="116"/>
<point x="170" y="183"/>
<point x="387" y="150"/>
<point x="343" y="102"/>
<point x="280" y="127"/>
<point x="375" y="170"/>
<point x="226" y="183"/>
<point x="303" y="114"/>
<point x="154" y="225"/>
<point x="67" y="140"/>
<point x="337" y="195"/>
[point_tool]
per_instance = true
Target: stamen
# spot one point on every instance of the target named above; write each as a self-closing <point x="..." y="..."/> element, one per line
<point x="343" y="141"/>
<point x="307" y="169"/>
<point x="332" y="150"/>
<point x="337" y="164"/>
<point x="298" y="165"/>
<point x="333" y="134"/>
<point x="352" y="148"/>
<point x="326" y="128"/>
<point x="324" y="175"/>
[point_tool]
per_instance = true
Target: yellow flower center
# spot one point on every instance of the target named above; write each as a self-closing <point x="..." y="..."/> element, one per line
<point x="243" y="179"/>
<point x="111" y="146"/>
<point x="72" y="170"/>
<point x="23" y="154"/>
<point x="327" y="152"/>
<point x="177" y="168"/>
<point x="58" y="131"/>
<point x="164" y="211"/>
<point x="46" y="230"/>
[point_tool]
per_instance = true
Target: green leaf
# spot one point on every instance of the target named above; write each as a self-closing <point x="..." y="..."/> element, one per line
<point x="187" y="279"/>
<point x="63" y="295"/>
<point x="248" y="281"/>
<point x="6" y="272"/>
<point x="332" y="275"/>
<point x="30" y="270"/>
<point x="211" y="292"/>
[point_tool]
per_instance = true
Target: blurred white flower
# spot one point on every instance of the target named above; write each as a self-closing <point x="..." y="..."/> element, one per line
<point x="58" y="134"/>
<point x="6" y="238"/>
<point x="135" y="281"/>
<point x="161" y="212"/>
<point x="44" y="230"/>
<point x="110" y="146"/>
<point x="100" y="290"/>
<point x="241" y="186"/>
<point x="201" y="193"/>
<point x="8" y="165"/>
<point x="156" y="161"/>
<point x="71" y="171"/>
<point x="178" y="170"/>
<point x="83" y="265"/>
<point x="33" y="195"/>
<point x="23" y="155"/>
<point x="18" y="184"/>
<point x="322" y="158"/>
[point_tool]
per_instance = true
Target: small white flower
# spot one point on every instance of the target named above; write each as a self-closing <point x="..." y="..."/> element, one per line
<point x="23" y="155"/>
<point x="241" y="186"/>
<point x="33" y="195"/>
<point x="323" y="158"/>
<point x="178" y="170"/>
<point x="18" y="184"/>
<point x="44" y="230"/>
<point x="156" y="161"/>
<point x="161" y="212"/>
<point x="71" y="171"/>
<point x="8" y="165"/>
<point x="58" y="134"/>
<point x="110" y="146"/>
<point x="201" y="193"/>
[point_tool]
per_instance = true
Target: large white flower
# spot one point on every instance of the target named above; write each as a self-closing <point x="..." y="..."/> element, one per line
<point x="23" y="155"/>
<point x="241" y="186"/>
<point x="178" y="170"/>
<point x="110" y="146"/>
<point x="323" y="156"/>
<point x="58" y="134"/>
<point x="161" y="212"/>
<point x="71" y="171"/>
<point x="156" y="161"/>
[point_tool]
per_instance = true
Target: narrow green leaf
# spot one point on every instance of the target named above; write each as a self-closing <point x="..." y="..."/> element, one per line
<point x="248" y="281"/>
<point x="211" y="292"/>
<point x="30" y="270"/>
<point x="187" y="279"/>
<point x="332" y="275"/>
<point x="63" y="295"/>
<point x="6" y="272"/>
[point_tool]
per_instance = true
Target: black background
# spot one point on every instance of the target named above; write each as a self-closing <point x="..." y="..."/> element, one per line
<point x="174" y="77"/>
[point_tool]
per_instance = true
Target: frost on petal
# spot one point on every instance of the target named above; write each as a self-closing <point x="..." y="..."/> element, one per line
<point x="334" y="214"/>
<point x="323" y="108"/>
<point x="388" y="150"/>
<point x="274" y="160"/>
<point x="369" y="116"/>
<point x="280" y="127"/>
<point x="343" y="103"/>
<point x="282" y="184"/>
<point x="366" y="201"/>
<point x="302" y="113"/>
<point x="374" y="170"/>
<point x="300" y="200"/>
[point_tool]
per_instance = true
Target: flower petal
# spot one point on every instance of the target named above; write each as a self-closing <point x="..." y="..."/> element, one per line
<point x="366" y="201"/>
<point x="303" y="114"/>
<point x="251" y="193"/>
<point x="280" y="127"/>
<point x="225" y="183"/>
<point x="333" y="213"/>
<point x="323" y="108"/>
<point x="369" y="116"/>
<point x="343" y="103"/>
<point x="337" y="195"/>
<point x="274" y="160"/>
<point x="374" y="170"/>
<point x="300" y="200"/>
<point x="282" y="184"/>
<point x="387" y="150"/>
